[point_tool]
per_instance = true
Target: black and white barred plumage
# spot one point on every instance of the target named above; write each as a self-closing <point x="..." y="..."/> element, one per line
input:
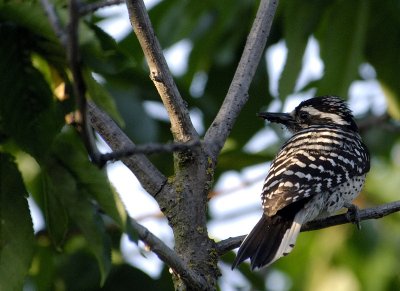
<point x="318" y="171"/>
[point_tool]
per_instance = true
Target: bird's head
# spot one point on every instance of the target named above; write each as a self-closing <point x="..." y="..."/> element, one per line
<point x="323" y="110"/>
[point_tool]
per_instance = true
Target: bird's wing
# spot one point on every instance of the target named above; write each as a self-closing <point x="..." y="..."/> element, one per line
<point x="299" y="174"/>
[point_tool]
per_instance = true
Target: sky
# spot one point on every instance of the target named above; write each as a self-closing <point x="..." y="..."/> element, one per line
<point x="237" y="209"/>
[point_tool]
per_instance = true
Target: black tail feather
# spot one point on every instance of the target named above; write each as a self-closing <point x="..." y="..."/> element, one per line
<point x="263" y="241"/>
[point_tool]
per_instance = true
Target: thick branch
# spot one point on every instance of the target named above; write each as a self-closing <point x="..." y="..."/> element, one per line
<point x="237" y="94"/>
<point x="169" y="257"/>
<point x="148" y="149"/>
<point x="181" y="125"/>
<point x="364" y="214"/>
<point x="150" y="178"/>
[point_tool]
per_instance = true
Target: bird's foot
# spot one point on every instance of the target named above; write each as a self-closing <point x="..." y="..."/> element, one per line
<point x="352" y="214"/>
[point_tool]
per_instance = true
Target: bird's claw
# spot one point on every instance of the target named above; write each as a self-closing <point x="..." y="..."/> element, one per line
<point x="353" y="215"/>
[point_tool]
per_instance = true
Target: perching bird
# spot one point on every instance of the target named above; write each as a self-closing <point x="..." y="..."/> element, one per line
<point x="317" y="172"/>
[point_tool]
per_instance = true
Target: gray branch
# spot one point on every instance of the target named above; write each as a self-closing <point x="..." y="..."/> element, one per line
<point x="181" y="125"/>
<point x="149" y="176"/>
<point x="148" y="149"/>
<point x="69" y="39"/>
<point x="78" y="84"/>
<point x="54" y="21"/>
<point x="169" y="257"/>
<point x="364" y="214"/>
<point x="237" y="94"/>
<point x="93" y="7"/>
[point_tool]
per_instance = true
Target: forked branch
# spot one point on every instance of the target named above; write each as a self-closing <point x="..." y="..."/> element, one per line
<point x="149" y="176"/>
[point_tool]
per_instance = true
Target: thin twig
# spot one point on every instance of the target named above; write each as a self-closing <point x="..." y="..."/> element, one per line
<point x="55" y="21"/>
<point x="243" y="184"/>
<point x="69" y="39"/>
<point x="181" y="125"/>
<point x="169" y="257"/>
<point x="148" y="149"/>
<point x="79" y="85"/>
<point x="151" y="179"/>
<point x="237" y="94"/>
<point x="93" y="7"/>
<point x="367" y="123"/>
<point x="382" y="121"/>
<point x="364" y="214"/>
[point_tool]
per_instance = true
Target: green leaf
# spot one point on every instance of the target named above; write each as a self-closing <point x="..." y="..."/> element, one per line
<point x="124" y="276"/>
<point x="100" y="51"/>
<point x="16" y="231"/>
<point x="56" y="215"/>
<point x="101" y="97"/>
<point x="93" y="182"/>
<point x="131" y="232"/>
<point x="139" y="125"/>
<point x="27" y="111"/>
<point x="383" y="39"/>
<point x="29" y="16"/>
<point x="61" y="183"/>
<point x="44" y="265"/>
<point x="78" y="272"/>
<point x="342" y="39"/>
<point x="296" y="33"/>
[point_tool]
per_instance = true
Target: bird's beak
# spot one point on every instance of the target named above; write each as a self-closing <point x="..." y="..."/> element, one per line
<point x="282" y="118"/>
<point x="286" y="119"/>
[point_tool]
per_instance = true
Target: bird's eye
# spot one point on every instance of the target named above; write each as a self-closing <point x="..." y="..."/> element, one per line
<point x="304" y="116"/>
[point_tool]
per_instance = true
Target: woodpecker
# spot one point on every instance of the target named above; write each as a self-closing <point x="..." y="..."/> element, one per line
<point x="317" y="172"/>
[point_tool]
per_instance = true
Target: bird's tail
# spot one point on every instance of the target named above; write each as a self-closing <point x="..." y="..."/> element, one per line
<point x="271" y="238"/>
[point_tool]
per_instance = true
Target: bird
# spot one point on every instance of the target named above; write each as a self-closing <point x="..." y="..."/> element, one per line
<point x="319" y="170"/>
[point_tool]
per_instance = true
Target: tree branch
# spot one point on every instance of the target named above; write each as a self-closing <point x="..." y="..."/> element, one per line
<point x="364" y="214"/>
<point x="237" y="94"/>
<point x="78" y="83"/>
<point x="151" y="179"/>
<point x="382" y="121"/>
<point x="54" y="21"/>
<point x="69" y="39"/>
<point x="181" y="125"/>
<point x="149" y="148"/>
<point x="92" y="7"/>
<point x="367" y="123"/>
<point x="169" y="257"/>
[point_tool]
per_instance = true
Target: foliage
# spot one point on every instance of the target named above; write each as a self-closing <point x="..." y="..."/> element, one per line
<point x="41" y="154"/>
